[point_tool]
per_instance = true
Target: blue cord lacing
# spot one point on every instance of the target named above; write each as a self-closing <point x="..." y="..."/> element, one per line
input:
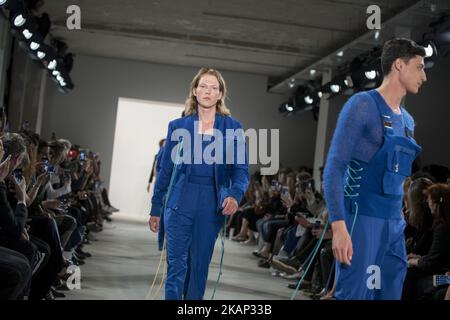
<point x="353" y="174"/>
<point x="351" y="183"/>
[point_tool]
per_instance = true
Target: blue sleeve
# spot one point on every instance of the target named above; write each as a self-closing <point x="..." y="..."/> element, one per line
<point x="164" y="174"/>
<point x="158" y="159"/>
<point x="351" y="124"/>
<point x="239" y="175"/>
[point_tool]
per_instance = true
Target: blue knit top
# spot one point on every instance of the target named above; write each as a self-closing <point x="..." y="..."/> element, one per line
<point x="358" y="135"/>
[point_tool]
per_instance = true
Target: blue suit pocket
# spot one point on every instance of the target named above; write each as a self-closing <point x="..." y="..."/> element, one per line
<point x="398" y="167"/>
<point x="400" y="160"/>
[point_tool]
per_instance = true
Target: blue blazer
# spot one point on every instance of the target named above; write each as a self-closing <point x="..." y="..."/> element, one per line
<point x="231" y="179"/>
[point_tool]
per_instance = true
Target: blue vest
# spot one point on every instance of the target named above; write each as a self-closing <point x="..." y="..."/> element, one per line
<point x="375" y="188"/>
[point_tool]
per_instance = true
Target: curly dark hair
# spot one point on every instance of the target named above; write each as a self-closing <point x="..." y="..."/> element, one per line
<point x="13" y="144"/>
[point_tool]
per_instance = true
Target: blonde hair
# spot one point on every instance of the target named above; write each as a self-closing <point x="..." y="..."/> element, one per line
<point x="191" y="104"/>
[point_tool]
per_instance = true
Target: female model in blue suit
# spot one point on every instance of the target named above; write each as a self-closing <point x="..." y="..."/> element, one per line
<point x="206" y="186"/>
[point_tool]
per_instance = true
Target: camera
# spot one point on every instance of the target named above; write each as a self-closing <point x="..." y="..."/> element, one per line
<point x="275" y="185"/>
<point x="18" y="174"/>
<point x="49" y="167"/>
<point x="285" y="191"/>
<point x="307" y="185"/>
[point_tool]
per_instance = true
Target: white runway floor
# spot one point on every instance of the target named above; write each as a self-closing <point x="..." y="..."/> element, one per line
<point x="125" y="258"/>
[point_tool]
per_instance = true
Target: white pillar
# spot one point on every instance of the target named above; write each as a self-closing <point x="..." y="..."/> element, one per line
<point x="40" y="111"/>
<point x="319" y="153"/>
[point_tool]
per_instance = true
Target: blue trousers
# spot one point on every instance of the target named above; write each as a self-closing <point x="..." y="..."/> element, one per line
<point x="378" y="266"/>
<point x="191" y="232"/>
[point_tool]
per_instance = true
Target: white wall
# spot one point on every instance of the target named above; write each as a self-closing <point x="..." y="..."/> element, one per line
<point x="87" y="115"/>
<point x="135" y="145"/>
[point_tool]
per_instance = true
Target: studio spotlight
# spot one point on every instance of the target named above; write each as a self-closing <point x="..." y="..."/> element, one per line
<point x="335" y="88"/>
<point x="27" y="34"/>
<point x="430" y="49"/>
<point x="52" y="64"/>
<point x="34" y="45"/>
<point x="377" y="34"/>
<point x="286" y="107"/>
<point x="291" y="83"/>
<point x="371" y="74"/>
<point x="308" y="100"/>
<point x="19" y="20"/>
<point x="41" y="55"/>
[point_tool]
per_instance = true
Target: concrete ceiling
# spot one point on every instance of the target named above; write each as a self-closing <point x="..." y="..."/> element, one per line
<point x="275" y="38"/>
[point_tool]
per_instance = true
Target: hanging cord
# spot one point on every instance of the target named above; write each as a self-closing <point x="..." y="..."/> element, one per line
<point x="150" y="295"/>
<point x="352" y="174"/>
<point x="311" y="259"/>
<point x="222" y="253"/>
<point x="164" y="249"/>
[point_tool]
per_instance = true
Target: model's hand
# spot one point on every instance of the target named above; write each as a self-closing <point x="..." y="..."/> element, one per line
<point x="414" y="262"/>
<point x="342" y="243"/>
<point x="153" y="223"/>
<point x="229" y="206"/>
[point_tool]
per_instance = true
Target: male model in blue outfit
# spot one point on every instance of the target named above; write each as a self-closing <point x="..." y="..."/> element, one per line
<point x="371" y="154"/>
<point x="206" y="185"/>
